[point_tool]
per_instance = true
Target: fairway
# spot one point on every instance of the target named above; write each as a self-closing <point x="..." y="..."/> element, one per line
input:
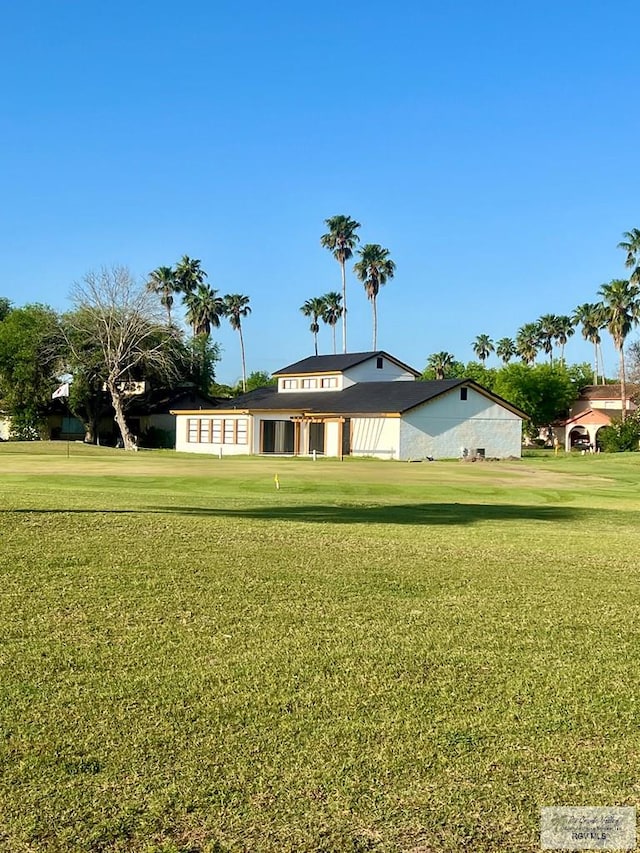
<point x="377" y="656"/>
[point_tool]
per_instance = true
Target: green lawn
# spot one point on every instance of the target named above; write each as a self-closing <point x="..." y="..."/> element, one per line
<point x="376" y="657"/>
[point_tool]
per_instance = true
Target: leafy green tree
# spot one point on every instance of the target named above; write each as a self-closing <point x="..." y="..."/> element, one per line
<point x="164" y="283"/>
<point x="506" y="349"/>
<point x="332" y="312"/>
<point x="374" y="269"/>
<point x="29" y="367"/>
<point x="197" y="361"/>
<point x="341" y="240"/>
<point x="5" y="307"/>
<point x="439" y="364"/>
<point x="544" y="391"/>
<point x="485" y="376"/>
<point x="580" y="374"/>
<point x="236" y="308"/>
<point x="621" y="312"/>
<point x="483" y="347"/>
<point x="622" y="435"/>
<point x="314" y="308"/>
<point x="83" y="361"/>
<point x="89" y="403"/>
<point x="260" y="379"/>
<point x="590" y="315"/>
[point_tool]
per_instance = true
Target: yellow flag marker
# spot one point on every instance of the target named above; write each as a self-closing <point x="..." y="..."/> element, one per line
<point x="276" y="481"/>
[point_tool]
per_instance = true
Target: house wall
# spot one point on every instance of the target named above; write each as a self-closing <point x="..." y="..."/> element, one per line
<point x="368" y="372"/>
<point x="332" y="438"/>
<point x="375" y="437"/>
<point x="442" y="427"/>
<point x="319" y="382"/>
<point x="5" y="426"/>
<point x="205" y="442"/>
<point x="602" y="405"/>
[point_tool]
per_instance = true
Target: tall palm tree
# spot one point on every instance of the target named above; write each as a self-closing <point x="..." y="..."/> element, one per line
<point x="564" y="330"/>
<point x="621" y="302"/>
<point x="590" y="315"/>
<point x="236" y="307"/>
<point x="528" y="342"/>
<point x="483" y="347"/>
<point x="204" y="309"/>
<point x="440" y="362"/>
<point x="374" y="269"/>
<point x="332" y="312"/>
<point x="341" y="239"/>
<point x="631" y="245"/>
<point x="548" y="329"/>
<point x="189" y="275"/>
<point x="162" y="281"/>
<point x="313" y="308"/>
<point x="505" y="349"/>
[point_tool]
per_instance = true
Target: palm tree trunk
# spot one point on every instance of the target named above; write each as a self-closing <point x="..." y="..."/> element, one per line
<point x="375" y="323"/>
<point x="623" y="384"/>
<point x="333" y="331"/>
<point x="315" y="342"/>
<point x="595" y="364"/>
<point x="601" y="365"/>
<point x="244" y="369"/>
<point x="344" y="307"/>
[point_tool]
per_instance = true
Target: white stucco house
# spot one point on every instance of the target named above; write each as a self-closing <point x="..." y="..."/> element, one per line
<point x="358" y="404"/>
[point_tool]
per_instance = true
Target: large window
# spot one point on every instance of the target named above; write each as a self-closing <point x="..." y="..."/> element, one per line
<point x="217" y="431"/>
<point x="316" y="437"/>
<point x="277" y="437"/>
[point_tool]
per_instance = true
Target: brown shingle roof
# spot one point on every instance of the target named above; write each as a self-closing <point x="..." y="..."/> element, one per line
<point x="332" y="363"/>
<point x="607" y="392"/>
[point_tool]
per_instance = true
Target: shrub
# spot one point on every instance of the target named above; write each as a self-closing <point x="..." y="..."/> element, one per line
<point x="621" y="436"/>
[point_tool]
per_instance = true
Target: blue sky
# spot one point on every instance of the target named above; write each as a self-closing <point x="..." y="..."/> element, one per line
<point x="490" y="146"/>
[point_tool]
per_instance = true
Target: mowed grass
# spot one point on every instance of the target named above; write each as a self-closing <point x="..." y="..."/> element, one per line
<point x="376" y="657"/>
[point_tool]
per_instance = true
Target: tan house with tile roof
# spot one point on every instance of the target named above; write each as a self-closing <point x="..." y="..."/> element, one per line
<point x="597" y="406"/>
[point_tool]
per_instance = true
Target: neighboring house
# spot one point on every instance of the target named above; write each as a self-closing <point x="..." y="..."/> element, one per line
<point x="597" y="406"/>
<point x="359" y="404"/>
<point x="148" y="415"/>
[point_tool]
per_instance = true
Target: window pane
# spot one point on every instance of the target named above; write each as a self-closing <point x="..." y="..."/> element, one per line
<point x="242" y="432"/>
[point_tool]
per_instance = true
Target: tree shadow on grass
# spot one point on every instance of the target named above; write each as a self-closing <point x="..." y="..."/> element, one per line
<point x="423" y="513"/>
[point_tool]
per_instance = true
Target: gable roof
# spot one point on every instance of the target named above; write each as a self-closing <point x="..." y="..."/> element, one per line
<point x="607" y="392"/>
<point x="333" y="363"/>
<point x="163" y="401"/>
<point x="588" y="416"/>
<point x="364" y="398"/>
